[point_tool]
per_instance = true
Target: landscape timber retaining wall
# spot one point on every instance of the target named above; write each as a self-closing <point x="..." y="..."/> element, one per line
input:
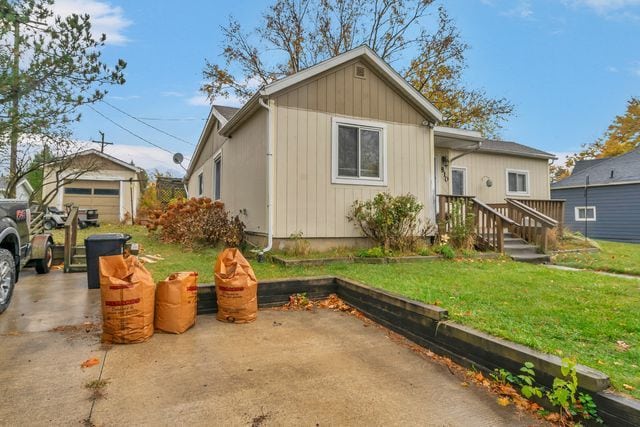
<point x="427" y="325"/>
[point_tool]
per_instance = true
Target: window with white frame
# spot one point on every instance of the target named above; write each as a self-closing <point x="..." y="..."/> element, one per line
<point x="358" y="152"/>
<point x="217" y="177"/>
<point x="585" y="213"/>
<point x="517" y="182"/>
<point x="200" y="184"/>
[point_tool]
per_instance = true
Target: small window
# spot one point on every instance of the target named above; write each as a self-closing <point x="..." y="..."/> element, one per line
<point x="585" y="213"/>
<point x="77" y="191"/>
<point x="200" y="184"/>
<point x="517" y="182"/>
<point x="458" y="181"/>
<point x="217" y="173"/>
<point x="106" y="191"/>
<point x="358" y="153"/>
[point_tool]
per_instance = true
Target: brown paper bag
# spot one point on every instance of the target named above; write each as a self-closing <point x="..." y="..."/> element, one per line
<point x="177" y="302"/>
<point x="128" y="292"/>
<point x="236" y="288"/>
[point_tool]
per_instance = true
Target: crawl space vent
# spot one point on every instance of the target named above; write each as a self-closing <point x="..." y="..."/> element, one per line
<point x="361" y="72"/>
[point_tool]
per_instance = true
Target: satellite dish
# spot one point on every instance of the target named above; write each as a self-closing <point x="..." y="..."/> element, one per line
<point x="178" y="158"/>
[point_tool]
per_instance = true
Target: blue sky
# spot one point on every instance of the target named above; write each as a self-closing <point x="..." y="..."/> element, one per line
<point x="569" y="66"/>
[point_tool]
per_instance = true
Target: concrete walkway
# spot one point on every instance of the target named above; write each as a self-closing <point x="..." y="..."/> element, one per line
<point x="603" y="273"/>
<point x="287" y="368"/>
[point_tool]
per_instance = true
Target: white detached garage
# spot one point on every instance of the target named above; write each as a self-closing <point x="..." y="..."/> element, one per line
<point x="97" y="181"/>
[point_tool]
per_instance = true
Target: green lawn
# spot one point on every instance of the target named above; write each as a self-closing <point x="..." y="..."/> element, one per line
<point x="579" y="314"/>
<point x="614" y="257"/>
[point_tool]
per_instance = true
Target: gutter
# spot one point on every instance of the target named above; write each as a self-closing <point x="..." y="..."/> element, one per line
<point x="269" y="180"/>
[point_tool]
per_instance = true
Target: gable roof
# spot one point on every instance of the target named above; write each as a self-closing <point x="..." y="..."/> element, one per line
<point x="513" y="148"/>
<point x="623" y="169"/>
<point x="226" y="112"/>
<point x="109" y="158"/>
<point x="583" y="164"/>
<point x="364" y="53"/>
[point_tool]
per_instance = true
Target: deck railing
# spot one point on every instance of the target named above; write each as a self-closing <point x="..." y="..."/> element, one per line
<point x="530" y="224"/>
<point x="70" y="237"/>
<point x="553" y="209"/>
<point x="489" y="223"/>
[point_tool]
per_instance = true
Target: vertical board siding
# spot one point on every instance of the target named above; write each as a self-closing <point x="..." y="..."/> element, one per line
<point x="244" y="171"/>
<point x="306" y="200"/>
<point x="495" y="167"/>
<point x="617" y="211"/>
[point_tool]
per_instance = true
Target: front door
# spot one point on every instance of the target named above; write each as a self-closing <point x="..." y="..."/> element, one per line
<point x="458" y="181"/>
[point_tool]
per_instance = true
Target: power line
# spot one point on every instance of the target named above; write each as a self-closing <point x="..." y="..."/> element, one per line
<point x="147" y="124"/>
<point x="130" y="132"/>
<point x="171" y="119"/>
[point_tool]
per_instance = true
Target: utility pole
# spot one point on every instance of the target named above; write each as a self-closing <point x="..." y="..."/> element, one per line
<point x="102" y="142"/>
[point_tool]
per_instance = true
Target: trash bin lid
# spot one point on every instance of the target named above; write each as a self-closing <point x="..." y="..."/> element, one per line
<point x="108" y="236"/>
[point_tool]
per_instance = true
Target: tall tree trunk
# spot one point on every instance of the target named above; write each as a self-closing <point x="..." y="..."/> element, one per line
<point x="15" y="113"/>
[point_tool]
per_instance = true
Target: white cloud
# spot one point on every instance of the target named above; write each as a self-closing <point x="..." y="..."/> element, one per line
<point x="124" y="98"/>
<point x="105" y="18"/>
<point x="200" y="100"/>
<point x="149" y="158"/>
<point x="172" y="93"/>
<point x="612" y="69"/>
<point x="522" y="10"/>
<point x="604" y="5"/>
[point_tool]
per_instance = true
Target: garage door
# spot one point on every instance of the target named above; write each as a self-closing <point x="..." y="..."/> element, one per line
<point x="101" y="195"/>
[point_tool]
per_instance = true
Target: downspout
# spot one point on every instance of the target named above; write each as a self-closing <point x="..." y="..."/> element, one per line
<point x="269" y="180"/>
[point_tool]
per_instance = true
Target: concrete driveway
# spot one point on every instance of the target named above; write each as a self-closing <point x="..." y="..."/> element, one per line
<point x="287" y="368"/>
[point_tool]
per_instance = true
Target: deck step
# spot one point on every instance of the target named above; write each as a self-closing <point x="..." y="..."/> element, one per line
<point x="79" y="259"/>
<point x="532" y="258"/>
<point x="80" y="250"/>
<point x="519" y="248"/>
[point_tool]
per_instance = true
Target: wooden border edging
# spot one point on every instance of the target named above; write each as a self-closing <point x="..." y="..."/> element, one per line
<point x="371" y="260"/>
<point x="427" y="325"/>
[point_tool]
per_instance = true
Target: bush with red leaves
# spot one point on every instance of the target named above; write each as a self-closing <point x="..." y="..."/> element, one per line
<point x="195" y="222"/>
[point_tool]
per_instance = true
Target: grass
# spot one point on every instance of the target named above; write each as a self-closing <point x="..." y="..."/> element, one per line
<point x="566" y="313"/>
<point x="613" y="257"/>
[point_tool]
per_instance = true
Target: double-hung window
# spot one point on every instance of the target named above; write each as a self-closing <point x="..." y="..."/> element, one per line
<point x="359" y="152"/>
<point x="585" y="213"/>
<point x="517" y="182"/>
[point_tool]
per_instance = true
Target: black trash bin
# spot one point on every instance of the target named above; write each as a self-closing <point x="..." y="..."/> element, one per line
<point x="98" y="245"/>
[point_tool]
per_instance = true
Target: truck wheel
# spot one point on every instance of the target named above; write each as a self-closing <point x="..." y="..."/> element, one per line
<point x="82" y="225"/>
<point x="49" y="225"/>
<point x="44" y="265"/>
<point x="7" y="278"/>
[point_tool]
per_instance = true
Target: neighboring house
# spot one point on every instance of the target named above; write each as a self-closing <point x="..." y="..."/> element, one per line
<point x="297" y="155"/>
<point x="103" y="182"/>
<point x="23" y="189"/>
<point x="603" y="197"/>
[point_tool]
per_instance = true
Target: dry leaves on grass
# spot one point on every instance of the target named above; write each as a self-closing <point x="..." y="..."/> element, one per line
<point x="622" y="346"/>
<point x="628" y="387"/>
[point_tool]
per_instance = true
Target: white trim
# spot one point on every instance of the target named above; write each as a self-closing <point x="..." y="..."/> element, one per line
<point x="335" y="179"/>
<point x="444" y="131"/>
<point x="465" y="187"/>
<point x="218" y="115"/>
<point x="517" y="193"/>
<point x="121" y="201"/>
<point x="110" y="158"/>
<point x="216" y="156"/>
<point x="595" y="185"/>
<point x="585" y="219"/>
<point x="364" y="52"/>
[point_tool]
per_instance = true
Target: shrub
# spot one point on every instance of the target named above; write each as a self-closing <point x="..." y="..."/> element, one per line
<point x="391" y="222"/>
<point x="461" y="225"/>
<point x="197" y="221"/>
<point x="374" y="252"/>
<point x="148" y="202"/>
<point x="446" y="251"/>
<point x="300" y="246"/>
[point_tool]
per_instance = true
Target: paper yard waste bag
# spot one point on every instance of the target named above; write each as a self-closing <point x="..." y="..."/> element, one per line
<point x="236" y="288"/>
<point x="177" y="302"/>
<point x="128" y="293"/>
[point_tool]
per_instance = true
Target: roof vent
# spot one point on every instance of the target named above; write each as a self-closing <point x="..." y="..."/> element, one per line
<point x="360" y="72"/>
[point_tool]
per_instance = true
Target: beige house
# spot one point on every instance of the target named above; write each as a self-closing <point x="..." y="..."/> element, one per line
<point x="302" y="149"/>
<point x="95" y="180"/>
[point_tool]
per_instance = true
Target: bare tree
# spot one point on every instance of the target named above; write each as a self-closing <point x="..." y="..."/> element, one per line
<point x="416" y="37"/>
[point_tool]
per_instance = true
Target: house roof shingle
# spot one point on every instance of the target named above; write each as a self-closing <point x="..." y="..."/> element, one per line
<point x="227" y="112"/>
<point x="509" y="147"/>
<point x="584" y="164"/>
<point x="614" y="170"/>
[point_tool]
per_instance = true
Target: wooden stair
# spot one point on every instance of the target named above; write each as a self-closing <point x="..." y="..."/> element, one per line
<point x="519" y="250"/>
<point x="78" y="260"/>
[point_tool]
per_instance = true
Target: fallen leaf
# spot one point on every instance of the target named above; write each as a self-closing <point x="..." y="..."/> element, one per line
<point x="90" y="362"/>
<point x="464" y="384"/>
<point x="503" y="401"/>
<point x="622" y="346"/>
<point x="628" y="387"/>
